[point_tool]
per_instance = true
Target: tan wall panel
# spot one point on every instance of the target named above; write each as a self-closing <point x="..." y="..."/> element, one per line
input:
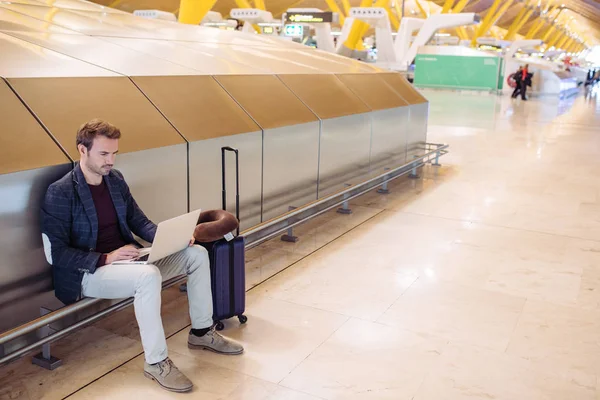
<point x="14" y="21"/>
<point x="325" y="95"/>
<point x="24" y="145"/>
<point x="197" y="105"/>
<point x="63" y="104"/>
<point x="404" y="88"/>
<point x="373" y="90"/>
<point x="20" y="59"/>
<point x="268" y="101"/>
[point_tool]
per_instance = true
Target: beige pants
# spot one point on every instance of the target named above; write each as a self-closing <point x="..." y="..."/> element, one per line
<point x="143" y="283"/>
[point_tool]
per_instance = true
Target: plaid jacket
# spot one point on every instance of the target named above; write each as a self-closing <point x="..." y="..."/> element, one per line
<point x="70" y="228"/>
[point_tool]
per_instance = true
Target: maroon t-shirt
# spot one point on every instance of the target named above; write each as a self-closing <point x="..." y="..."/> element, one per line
<point x="109" y="234"/>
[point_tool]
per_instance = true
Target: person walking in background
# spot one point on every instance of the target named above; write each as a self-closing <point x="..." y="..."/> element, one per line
<point x="525" y="81"/>
<point x="518" y="78"/>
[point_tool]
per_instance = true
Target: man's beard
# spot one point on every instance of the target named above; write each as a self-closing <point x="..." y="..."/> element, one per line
<point x="103" y="170"/>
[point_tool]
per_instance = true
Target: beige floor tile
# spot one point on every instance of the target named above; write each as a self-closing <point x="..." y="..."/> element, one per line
<point x="86" y="354"/>
<point x="277" y="337"/>
<point x="366" y="360"/>
<point x="274" y="256"/>
<point x="457" y="313"/>
<point x="466" y="373"/>
<point x="256" y="389"/>
<point x="586" y="255"/>
<point x="349" y="286"/>
<point x="534" y="279"/>
<point x="563" y="339"/>
<point x="262" y="264"/>
<point x="128" y="382"/>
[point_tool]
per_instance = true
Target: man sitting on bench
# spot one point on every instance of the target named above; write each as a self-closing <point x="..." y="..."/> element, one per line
<point x="88" y="218"/>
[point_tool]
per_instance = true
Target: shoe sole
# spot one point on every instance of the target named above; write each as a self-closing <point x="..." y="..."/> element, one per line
<point x="149" y="376"/>
<point x="202" y="347"/>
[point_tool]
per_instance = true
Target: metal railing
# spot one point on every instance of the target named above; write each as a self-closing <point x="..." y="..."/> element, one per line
<point x="254" y="236"/>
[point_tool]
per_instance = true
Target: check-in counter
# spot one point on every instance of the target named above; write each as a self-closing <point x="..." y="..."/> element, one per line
<point x="345" y="129"/>
<point x="290" y="140"/>
<point x="30" y="162"/>
<point x="389" y="119"/>
<point x="152" y="155"/>
<point x="419" y="112"/>
<point x="206" y="115"/>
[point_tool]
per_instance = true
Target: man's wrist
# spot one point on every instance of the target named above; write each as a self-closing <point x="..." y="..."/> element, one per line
<point x="102" y="261"/>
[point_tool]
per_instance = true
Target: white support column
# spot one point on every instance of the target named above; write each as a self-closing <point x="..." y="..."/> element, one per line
<point x="322" y="29"/>
<point x="404" y="36"/>
<point x="432" y="25"/>
<point x="379" y="18"/>
<point x="521" y="44"/>
<point x="251" y="16"/>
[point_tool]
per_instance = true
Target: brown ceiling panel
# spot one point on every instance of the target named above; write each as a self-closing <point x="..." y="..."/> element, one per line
<point x="325" y="95"/>
<point x="267" y="100"/>
<point x="197" y="105"/>
<point x="24" y="145"/>
<point x="403" y="88"/>
<point x="63" y="104"/>
<point x="373" y="90"/>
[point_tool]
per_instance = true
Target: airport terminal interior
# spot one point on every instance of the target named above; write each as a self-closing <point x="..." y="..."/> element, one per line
<point x="418" y="185"/>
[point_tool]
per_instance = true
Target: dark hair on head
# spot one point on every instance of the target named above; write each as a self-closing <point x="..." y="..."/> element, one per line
<point x="96" y="127"/>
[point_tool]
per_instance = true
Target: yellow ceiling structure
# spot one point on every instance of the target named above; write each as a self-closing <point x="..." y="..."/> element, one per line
<point x="574" y="24"/>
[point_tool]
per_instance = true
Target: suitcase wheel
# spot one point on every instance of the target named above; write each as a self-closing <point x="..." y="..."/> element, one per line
<point x="243" y="319"/>
<point x="219" y="326"/>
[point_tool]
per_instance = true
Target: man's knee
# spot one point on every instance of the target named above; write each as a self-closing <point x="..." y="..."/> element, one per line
<point x="149" y="277"/>
<point x="198" y="258"/>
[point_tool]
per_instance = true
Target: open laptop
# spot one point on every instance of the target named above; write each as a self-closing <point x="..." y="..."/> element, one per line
<point x="172" y="236"/>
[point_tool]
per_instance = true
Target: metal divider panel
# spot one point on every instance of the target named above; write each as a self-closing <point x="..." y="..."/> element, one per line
<point x="373" y="90"/>
<point x="350" y="65"/>
<point x="403" y="88"/>
<point x="268" y="101"/>
<point x="20" y="59"/>
<point x="189" y="33"/>
<point x="14" y="21"/>
<point x="73" y="5"/>
<point x="201" y="62"/>
<point x="197" y="105"/>
<point x="310" y="58"/>
<point x="64" y="104"/>
<point x="24" y="145"/>
<point x="73" y="20"/>
<point x="325" y="95"/>
<point x="103" y="54"/>
<point x="254" y="57"/>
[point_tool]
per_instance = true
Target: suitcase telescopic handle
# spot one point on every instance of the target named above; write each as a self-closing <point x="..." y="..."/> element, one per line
<point x="237" y="181"/>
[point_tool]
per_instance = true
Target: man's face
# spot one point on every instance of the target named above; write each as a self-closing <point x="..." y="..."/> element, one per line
<point x="101" y="157"/>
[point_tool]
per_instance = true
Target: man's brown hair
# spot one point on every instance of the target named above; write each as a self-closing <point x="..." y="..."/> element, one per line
<point x="96" y="127"/>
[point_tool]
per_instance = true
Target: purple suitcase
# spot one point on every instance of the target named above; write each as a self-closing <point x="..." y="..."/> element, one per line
<point x="227" y="263"/>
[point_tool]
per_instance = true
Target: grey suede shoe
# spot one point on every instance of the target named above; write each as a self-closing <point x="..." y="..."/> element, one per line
<point x="214" y="341"/>
<point x="166" y="374"/>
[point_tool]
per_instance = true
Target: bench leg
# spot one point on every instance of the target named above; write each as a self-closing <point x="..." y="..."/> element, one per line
<point x="45" y="359"/>
<point x="289" y="236"/>
<point x="384" y="188"/>
<point x="345" y="209"/>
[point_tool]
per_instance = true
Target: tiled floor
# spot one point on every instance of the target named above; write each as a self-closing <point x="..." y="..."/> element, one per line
<point x="480" y="281"/>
